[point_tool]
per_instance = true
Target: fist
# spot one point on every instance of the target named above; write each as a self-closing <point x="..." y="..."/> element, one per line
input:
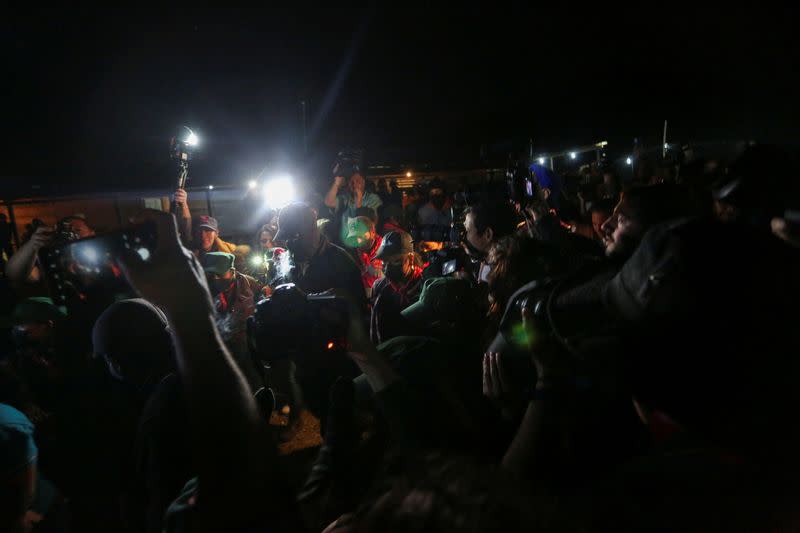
<point x="338" y="181"/>
<point x="180" y="197"/>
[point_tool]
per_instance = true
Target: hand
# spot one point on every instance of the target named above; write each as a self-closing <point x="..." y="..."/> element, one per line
<point x="496" y="382"/>
<point x="549" y="367"/>
<point x="171" y="278"/>
<point x="41" y="237"/>
<point x="784" y="230"/>
<point x="180" y="197"/>
<point x="338" y="181"/>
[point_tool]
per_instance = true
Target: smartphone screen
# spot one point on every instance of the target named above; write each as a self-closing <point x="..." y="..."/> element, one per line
<point x="86" y="269"/>
<point x="449" y="267"/>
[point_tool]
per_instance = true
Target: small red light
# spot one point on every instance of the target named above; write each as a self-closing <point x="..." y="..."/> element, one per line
<point x="330" y="345"/>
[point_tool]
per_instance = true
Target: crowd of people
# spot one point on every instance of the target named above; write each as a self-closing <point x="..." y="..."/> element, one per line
<point x="594" y="354"/>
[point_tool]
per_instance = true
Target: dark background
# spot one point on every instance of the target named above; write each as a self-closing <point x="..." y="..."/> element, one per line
<point x="93" y="96"/>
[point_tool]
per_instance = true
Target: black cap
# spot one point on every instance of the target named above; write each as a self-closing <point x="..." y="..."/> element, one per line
<point x="395" y="243"/>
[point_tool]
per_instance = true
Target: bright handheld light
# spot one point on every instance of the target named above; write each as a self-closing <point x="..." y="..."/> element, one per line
<point x="279" y="192"/>
<point x="191" y="138"/>
<point x="573" y="155"/>
<point x="628" y="160"/>
<point x="252" y="184"/>
<point x="541" y="160"/>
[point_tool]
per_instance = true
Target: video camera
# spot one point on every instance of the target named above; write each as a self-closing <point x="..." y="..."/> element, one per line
<point x="293" y="324"/>
<point x="348" y="162"/>
<point x="78" y="269"/>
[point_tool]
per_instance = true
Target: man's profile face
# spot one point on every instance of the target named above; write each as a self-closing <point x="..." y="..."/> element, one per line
<point x="207" y="237"/>
<point x="480" y="241"/>
<point x="621" y="233"/>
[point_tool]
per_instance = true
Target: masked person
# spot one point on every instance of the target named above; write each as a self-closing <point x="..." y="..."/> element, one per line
<point x="436" y="212"/>
<point x="235" y="296"/>
<point x="399" y="288"/>
<point x="364" y="241"/>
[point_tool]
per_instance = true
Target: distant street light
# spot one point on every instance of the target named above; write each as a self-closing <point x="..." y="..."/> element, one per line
<point x="628" y="161"/>
<point x="408" y="174"/>
<point x="573" y="155"/>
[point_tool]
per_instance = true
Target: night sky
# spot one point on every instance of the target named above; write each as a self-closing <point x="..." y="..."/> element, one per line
<point x="96" y="94"/>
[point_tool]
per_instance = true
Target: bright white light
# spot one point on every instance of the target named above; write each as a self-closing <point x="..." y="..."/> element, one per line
<point x="541" y="160"/>
<point x="192" y="139"/>
<point x="90" y="254"/>
<point x="408" y="174"/>
<point x="573" y="155"/>
<point x="210" y="187"/>
<point x="666" y="145"/>
<point x="279" y="192"/>
<point x="258" y="260"/>
<point x="252" y="184"/>
<point x="628" y="160"/>
<point x="144" y="253"/>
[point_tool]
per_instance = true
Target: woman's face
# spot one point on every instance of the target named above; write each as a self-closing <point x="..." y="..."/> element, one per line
<point x="266" y="241"/>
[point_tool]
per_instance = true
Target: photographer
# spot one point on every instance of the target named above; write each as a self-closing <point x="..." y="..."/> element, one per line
<point x="399" y="288"/>
<point x="346" y="203"/>
<point x="22" y="268"/>
<point x="201" y="234"/>
<point x="485" y="224"/>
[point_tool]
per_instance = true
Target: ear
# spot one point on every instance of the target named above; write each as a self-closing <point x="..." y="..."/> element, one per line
<point x="489" y="234"/>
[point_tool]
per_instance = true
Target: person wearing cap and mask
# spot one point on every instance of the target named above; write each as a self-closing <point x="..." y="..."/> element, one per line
<point x="399" y="288"/>
<point x="318" y="264"/>
<point x="235" y="296"/>
<point x="365" y="242"/>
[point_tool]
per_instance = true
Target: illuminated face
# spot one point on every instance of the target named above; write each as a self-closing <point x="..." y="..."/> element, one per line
<point x="266" y="241"/>
<point x="206" y="238"/>
<point x="357" y="182"/>
<point x="598" y="217"/>
<point x="621" y="234"/>
<point x="480" y="241"/>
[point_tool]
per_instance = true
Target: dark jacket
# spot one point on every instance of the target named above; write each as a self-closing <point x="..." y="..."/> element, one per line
<point x="331" y="268"/>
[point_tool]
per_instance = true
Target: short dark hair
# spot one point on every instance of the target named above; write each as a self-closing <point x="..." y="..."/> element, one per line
<point x="500" y="217"/>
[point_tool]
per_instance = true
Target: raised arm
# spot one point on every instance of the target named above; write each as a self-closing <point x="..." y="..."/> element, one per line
<point x="184" y="216"/>
<point x="238" y="477"/>
<point x="330" y="197"/>
<point x="21" y="265"/>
